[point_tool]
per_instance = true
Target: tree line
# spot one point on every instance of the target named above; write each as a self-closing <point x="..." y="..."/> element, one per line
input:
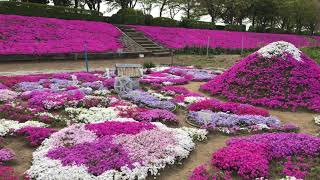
<point x="265" y="15"/>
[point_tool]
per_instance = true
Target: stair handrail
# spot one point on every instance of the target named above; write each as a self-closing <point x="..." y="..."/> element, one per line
<point x="131" y="39"/>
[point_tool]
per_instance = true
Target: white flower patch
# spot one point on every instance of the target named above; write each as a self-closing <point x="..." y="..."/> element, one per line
<point x="6" y="94"/>
<point x="317" y="120"/>
<point x="167" y="83"/>
<point x="192" y="99"/>
<point x="159" y="68"/>
<point x="290" y="178"/>
<point x="101" y="92"/>
<point x="92" y="115"/>
<point x="158" y="95"/>
<point x="8" y="126"/>
<point x="278" y="49"/>
<point x="197" y="134"/>
<point x="44" y="167"/>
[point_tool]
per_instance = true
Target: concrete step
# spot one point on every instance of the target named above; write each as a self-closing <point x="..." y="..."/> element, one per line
<point x="160" y="54"/>
<point x="161" y="50"/>
<point x="135" y="33"/>
<point x="140" y="38"/>
<point x="149" y="45"/>
<point x="153" y="48"/>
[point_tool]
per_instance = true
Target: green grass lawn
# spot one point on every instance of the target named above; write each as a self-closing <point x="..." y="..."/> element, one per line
<point x="313" y="52"/>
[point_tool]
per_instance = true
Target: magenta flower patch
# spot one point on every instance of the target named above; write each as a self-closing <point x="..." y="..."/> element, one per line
<point x="37" y="35"/>
<point x="116" y="128"/>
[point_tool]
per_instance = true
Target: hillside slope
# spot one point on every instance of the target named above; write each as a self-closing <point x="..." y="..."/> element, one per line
<point x="37" y="35"/>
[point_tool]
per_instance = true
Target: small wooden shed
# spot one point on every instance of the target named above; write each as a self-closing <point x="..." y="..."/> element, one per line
<point x="129" y="70"/>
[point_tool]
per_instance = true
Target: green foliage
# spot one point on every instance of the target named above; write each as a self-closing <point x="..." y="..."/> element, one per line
<point x="312" y="52"/>
<point x="234" y="27"/>
<point x="148" y="19"/>
<point x="40" y="10"/>
<point x="39" y="1"/>
<point x="148" y="64"/>
<point x="128" y="16"/>
<point x="189" y="23"/>
<point x="162" y="21"/>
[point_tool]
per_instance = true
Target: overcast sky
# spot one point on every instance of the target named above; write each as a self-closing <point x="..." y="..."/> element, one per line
<point x="155" y="13"/>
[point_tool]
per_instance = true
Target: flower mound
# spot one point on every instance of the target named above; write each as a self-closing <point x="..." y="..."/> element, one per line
<point x="117" y="149"/>
<point x="276" y="76"/>
<point x="250" y="156"/>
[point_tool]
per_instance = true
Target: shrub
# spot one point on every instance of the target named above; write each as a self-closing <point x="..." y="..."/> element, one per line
<point x="148" y="64"/>
<point x="148" y="19"/>
<point x="189" y="23"/>
<point x="128" y="16"/>
<point x="162" y="21"/>
<point x="232" y="27"/>
<point x="41" y="10"/>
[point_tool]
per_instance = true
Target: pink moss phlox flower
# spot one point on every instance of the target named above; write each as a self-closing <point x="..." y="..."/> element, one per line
<point x="38" y="35"/>
<point x="235" y="108"/>
<point x="147" y="146"/>
<point x="179" y="38"/>
<point x="99" y="156"/>
<point x="116" y="128"/>
<point x="35" y="135"/>
<point x="276" y="82"/>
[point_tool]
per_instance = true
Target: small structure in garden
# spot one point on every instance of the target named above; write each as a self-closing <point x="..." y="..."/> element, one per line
<point x="127" y="77"/>
<point x="278" y="75"/>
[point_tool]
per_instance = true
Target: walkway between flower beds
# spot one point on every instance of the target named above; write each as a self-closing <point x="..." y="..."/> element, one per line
<point x="204" y="150"/>
<point x="200" y="155"/>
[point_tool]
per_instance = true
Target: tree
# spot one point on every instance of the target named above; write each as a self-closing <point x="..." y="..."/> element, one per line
<point x="162" y="5"/>
<point x="62" y="3"/>
<point x="37" y="1"/>
<point x="213" y="8"/>
<point x="93" y="5"/>
<point x="235" y="11"/>
<point x="263" y="13"/>
<point x="122" y="4"/>
<point x="147" y="5"/>
<point x="191" y="9"/>
<point x="174" y="8"/>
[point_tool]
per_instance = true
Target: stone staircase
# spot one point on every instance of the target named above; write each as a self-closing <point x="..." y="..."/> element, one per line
<point x="145" y="42"/>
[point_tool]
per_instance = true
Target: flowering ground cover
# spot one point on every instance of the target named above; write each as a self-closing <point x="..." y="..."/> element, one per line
<point x="83" y="130"/>
<point x="176" y="75"/>
<point x="120" y="148"/>
<point x="37" y="35"/>
<point x="282" y="154"/>
<point x="148" y="100"/>
<point x="231" y="118"/>
<point x="277" y="76"/>
<point x="6" y="155"/>
<point x="179" y="38"/>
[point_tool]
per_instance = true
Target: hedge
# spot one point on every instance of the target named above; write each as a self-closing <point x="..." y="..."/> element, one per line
<point x="41" y="10"/>
<point x="230" y="27"/>
<point x="163" y="21"/>
<point x="188" y="23"/>
<point x="128" y="16"/>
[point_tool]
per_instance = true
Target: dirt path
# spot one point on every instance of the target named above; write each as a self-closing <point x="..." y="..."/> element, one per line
<point x="23" y="153"/>
<point x="27" y="67"/>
